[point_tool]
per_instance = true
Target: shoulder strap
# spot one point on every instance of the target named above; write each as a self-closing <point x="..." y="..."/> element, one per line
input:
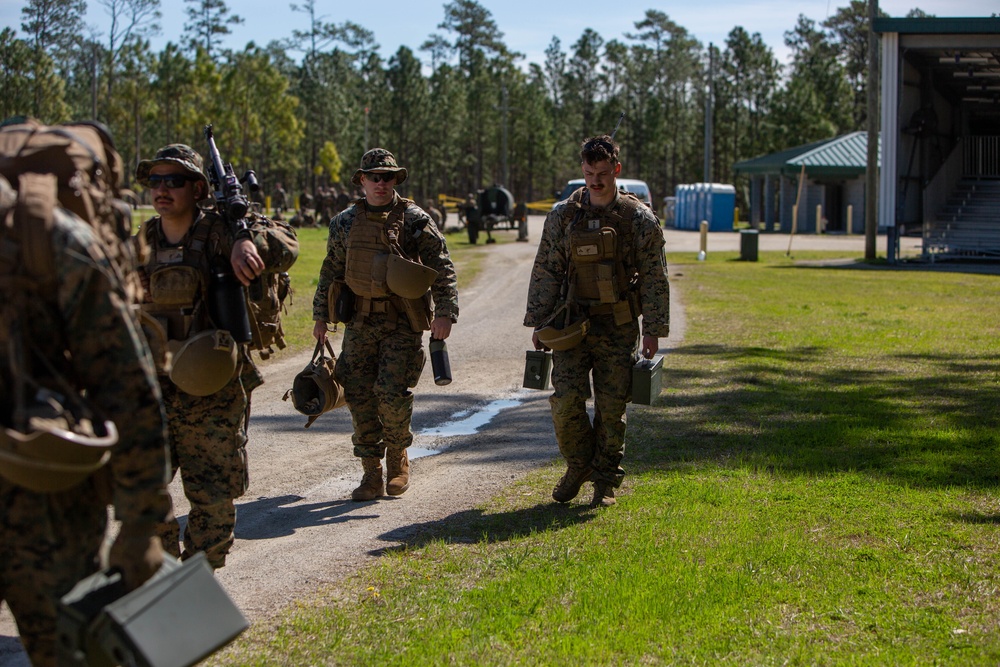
<point x="34" y="221"/>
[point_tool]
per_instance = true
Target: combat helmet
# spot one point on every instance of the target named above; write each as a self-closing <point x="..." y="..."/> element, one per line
<point x="53" y="456"/>
<point x="204" y="363"/>
<point x="409" y="280"/>
<point x="566" y="338"/>
<point x="315" y="390"/>
<point x="557" y="335"/>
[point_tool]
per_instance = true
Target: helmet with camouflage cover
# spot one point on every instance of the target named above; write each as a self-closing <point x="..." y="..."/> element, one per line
<point x="379" y="159"/>
<point x="408" y="279"/>
<point x="204" y="363"/>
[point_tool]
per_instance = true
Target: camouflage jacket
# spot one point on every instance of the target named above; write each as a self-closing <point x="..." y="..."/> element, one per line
<point x="552" y="263"/>
<point x="84" y="326"/>
<point x="419" y="236"/>
<point x="276" y="245"/>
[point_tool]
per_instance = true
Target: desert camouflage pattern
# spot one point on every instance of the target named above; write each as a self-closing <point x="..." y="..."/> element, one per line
<point x="608" y="352"/>
<point x="382" y="357"/>
<point x="208" y="434"/>
<point x="48" y="542"/>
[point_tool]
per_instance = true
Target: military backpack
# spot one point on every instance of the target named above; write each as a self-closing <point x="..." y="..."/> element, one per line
<point x="269" y="296"/>
<point x="76" y="167"/>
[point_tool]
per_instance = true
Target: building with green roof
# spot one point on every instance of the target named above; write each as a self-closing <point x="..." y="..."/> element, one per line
<point x="939" y="148"/>
<point x="834" y="181"/>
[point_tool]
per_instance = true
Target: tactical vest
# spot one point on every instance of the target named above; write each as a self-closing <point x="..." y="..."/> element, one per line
<point x="604" y="278"/>
<point x="373" y="237"/>
<point x="368" y="246"/>
<point x="177" y="277"/>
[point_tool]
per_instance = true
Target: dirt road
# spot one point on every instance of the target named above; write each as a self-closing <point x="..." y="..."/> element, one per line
<point x="297" y="529"/>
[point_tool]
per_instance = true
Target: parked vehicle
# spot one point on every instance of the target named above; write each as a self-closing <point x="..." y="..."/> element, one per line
<point x="636" y="187"/>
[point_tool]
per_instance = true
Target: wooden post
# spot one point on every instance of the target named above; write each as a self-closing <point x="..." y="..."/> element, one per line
<point x="850" y="219"/>
<point x="704" y="240"/>
<point x="819" y="218"/>
<point x="795" y="210"/>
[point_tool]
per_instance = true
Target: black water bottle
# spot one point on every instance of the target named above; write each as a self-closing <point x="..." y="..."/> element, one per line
<point x="227" y="303"/>
<point x="440" y="362"/>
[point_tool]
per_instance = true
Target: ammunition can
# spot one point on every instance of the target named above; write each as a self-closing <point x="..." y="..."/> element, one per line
<point x="536" y="369"/>
<point x="646" y="380"/>
<point x="177" y="618"/>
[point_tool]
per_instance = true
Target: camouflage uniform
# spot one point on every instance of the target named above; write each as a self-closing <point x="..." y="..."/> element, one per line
<point x="48" y="542"/>
<point x="382" y="355"/>
<point x="208" y="434"/>
<point x="608" y="351"/>
<point x="279" y="199"/>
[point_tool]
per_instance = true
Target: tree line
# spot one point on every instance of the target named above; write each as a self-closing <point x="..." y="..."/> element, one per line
<point x="462" y="111"/>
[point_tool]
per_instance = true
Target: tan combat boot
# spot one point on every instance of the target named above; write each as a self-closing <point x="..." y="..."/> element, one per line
<point x="604" y="495"/>
<point x="397" y="471"/>
<point x="371" y="484"/>
<point x="567" y="487"/>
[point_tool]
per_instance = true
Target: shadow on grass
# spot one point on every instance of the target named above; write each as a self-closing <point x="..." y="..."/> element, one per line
<point x="804" y="413"/>
<point x="976" y="518"/>
<point x="475" y="526"/>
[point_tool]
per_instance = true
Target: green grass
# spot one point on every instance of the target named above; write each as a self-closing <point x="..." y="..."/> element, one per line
<point x="817" y="486"/>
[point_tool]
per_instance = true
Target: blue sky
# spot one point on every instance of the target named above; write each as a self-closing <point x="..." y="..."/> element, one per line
<point x="528" y="26"/>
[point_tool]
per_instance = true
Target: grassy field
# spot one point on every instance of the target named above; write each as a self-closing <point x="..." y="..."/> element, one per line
<point x="816" y="486"/>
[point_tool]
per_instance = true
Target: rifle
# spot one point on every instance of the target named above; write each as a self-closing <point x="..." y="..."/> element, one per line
<point x="228" y="307"/>
<point x="617" y="125"/>
<point x="230" y="202"/>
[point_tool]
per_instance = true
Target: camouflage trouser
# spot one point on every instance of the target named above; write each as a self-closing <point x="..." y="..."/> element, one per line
<point x="48" y="542"/>
<point x="377" y="367"/>
<point x="609" y="352"/>
<point x="208" y="437"/>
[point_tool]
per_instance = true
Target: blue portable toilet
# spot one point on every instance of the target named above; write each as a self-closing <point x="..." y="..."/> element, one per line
<point x="714" y="203"/>
<point x="720" y="205"/>
<point x="680" y="214"/>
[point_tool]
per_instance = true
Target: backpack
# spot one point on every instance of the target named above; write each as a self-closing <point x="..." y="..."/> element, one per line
<point x="50" y="424"/>
<point x="267" y="296"/>
<point x="74" y="166"/>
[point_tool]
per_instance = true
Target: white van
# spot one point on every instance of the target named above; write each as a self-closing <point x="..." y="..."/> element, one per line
<point x="636" y="187"/>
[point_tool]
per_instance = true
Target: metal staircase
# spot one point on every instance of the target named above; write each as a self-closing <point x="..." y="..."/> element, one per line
<point x="968" y="226"/>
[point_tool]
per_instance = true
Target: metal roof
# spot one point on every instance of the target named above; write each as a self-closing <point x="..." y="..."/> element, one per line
<point x="843" y="156"/>
<point x="929" y="25"/>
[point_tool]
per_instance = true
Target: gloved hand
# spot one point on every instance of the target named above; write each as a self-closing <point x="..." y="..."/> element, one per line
<point x="137" y="552"/>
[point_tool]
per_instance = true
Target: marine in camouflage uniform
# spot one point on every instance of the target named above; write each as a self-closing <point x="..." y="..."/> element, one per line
<point x="383" y="354"/>
<point x="636" y="282"/>
<point x="208" y="433"/>
<point x="83" y="326"/>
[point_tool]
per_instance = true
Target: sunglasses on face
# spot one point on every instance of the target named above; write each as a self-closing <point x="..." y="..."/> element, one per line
<point x="172" y="181"/>
<point x="381" y="178"/>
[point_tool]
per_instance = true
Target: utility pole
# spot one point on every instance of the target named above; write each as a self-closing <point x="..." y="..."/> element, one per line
<point x="871" y="171"/>
<point x="504" y="108"/>
<point x="708" y="116"/>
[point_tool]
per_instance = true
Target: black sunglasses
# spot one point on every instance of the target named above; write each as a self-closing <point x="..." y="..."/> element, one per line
<point x="380" y="178"/>
<point x="172" y="181"/>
